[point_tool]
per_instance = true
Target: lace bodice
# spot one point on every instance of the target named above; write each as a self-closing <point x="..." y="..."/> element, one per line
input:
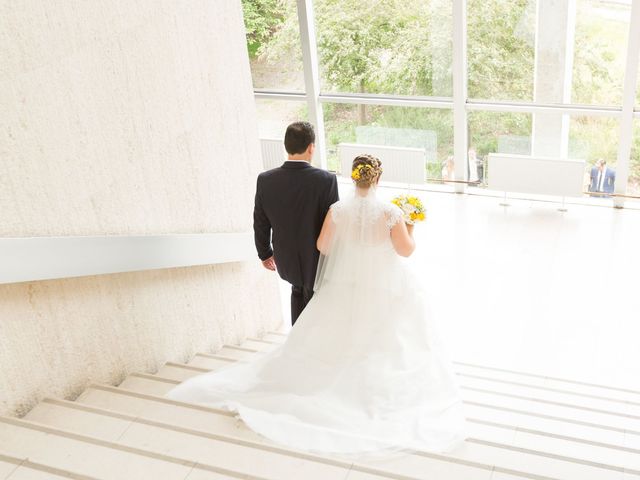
<point x="360" y="245"/>
<point x="366" y="211"/>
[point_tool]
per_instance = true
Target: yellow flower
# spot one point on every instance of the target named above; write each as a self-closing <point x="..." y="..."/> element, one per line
<point x="355" y="174"/>
<point x="413" y="209"/>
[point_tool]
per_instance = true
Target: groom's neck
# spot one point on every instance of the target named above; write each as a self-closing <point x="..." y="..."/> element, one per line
<point x="299" y="156"/>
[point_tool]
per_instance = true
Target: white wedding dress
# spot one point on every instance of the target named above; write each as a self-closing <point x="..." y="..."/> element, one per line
<point x="363" y="370"/>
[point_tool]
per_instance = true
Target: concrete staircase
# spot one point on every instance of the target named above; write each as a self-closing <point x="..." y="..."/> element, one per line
<point x="522" y="426"/>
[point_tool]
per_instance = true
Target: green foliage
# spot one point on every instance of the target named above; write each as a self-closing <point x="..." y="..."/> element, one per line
<point x="439" y="121"/>
<point x="284" y="43"/>
<point x="261" y="19"/>
<point x="634" y="177"/>
<point x="500" y="49"/>
<point x="598" y="66"/>
<point x="377" y="47"/>
<point x="486" y="127"/>
<point x="592" y="138"/>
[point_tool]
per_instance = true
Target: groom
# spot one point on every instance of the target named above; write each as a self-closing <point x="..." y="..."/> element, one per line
<point x="290" y="206"/>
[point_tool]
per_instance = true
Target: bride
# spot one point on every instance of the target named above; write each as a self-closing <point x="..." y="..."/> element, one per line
<point x="363" y="370"/>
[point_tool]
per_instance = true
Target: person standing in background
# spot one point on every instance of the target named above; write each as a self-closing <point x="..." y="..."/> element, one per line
<point x="448" y="172"/>
<point x="602" y="179"/>
<point x="472" y="166"/>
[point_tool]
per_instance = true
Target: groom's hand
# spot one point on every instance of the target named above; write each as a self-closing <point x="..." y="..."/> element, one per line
<point x="269" y="264"/>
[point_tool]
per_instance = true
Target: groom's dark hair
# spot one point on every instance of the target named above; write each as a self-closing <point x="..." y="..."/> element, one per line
<point x="298" y="137"/>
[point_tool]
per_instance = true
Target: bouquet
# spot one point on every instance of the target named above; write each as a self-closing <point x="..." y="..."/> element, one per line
<point x="412" y="208"/>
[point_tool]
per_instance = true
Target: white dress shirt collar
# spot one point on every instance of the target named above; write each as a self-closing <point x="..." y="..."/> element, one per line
<point x="601" y="178"/>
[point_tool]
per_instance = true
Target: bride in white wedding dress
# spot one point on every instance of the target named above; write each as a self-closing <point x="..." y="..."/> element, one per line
<point x="363" y="370"/>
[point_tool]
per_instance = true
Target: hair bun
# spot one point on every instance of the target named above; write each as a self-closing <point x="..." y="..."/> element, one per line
<point x="366" y="170"/>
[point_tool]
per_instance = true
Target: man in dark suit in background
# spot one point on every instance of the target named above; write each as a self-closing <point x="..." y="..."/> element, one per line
<point x="602" y="178"/>
<point x="290" y="206"/>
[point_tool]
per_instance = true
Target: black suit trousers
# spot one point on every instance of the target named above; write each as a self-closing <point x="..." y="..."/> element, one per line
<point x="300" y="296"/>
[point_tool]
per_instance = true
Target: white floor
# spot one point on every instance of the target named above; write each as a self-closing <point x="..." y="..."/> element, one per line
<point x="529" y="288"/>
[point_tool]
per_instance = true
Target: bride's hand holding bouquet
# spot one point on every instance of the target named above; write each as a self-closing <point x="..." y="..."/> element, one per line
<point x="413" y="210"/>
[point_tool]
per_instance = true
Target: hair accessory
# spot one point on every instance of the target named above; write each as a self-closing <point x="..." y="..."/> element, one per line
<point x="356" y="173"/>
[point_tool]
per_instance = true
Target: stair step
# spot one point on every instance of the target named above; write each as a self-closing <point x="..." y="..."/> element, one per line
<point x="578" y="427"/>
<point x="273" y="334"/>
<point x="165" y="410"/>
<point x="525" y="384"/>
<point x="217" y="421"/>
<point x="204" y="447"/>
<point x="208" y="361"/>
<point x="23" y="473"/>
<point x="562" y="397"/>
<point x="555" y="396"/>
<point x="94" y="457"/>
<point x="207" y="421"/>
<point x="238" y="353"/>
<point x="611" y="420"/>
<point x="9" y="464"/>
<point x="179" y="372"/>
<point x="268" y="339"/>
<point x="150" y="383"/>
<point x="541" y="382"/>
<point x="558" y="426"/>
<point x="583" y="454"/>
<point x="528" y="422"/>
<point x="16" y="468"/>
<point x="625" y="411"/>
<point x="578" y="387"/>
<point x="542" y="403"/>
<point x="260" y="345"/>
<point x="210" y="419"/>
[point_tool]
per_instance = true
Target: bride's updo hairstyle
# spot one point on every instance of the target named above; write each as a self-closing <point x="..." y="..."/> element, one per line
<point x="366" y="170"/>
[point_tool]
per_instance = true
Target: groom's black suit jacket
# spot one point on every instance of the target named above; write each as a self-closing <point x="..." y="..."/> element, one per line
<point x="291" y="203"/>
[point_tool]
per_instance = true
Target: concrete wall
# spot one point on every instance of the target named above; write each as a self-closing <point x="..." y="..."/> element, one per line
<point x="124" y="117"/>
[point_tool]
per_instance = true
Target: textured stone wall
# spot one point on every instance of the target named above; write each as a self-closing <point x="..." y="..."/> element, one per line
<point x="124" y="117"/>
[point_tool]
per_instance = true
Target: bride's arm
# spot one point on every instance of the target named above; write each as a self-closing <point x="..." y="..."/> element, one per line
<point x="326" y="234"/>
<point x="402" y="239"/>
